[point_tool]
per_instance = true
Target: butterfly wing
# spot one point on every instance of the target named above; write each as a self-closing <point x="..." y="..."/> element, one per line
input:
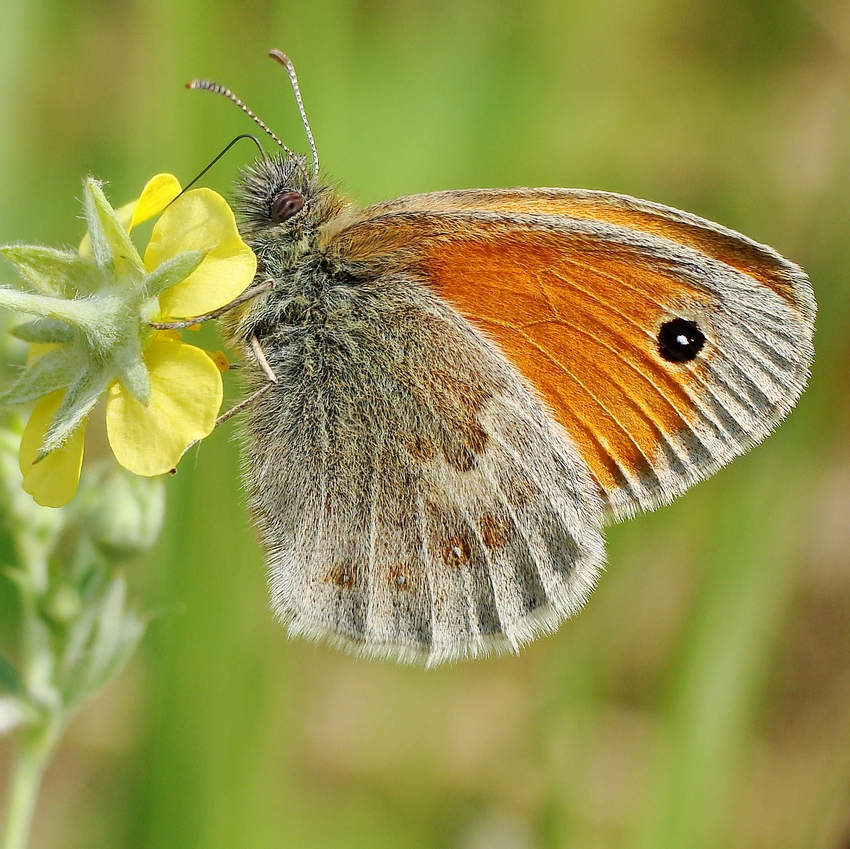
<point x="577" y="289"/>
<point x="475" y="379"/>
<point x="415" y="497"/>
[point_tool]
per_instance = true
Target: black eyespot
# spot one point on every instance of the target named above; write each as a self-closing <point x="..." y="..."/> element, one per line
<point x="679" y="341"/>
<point x="285" y="205"/>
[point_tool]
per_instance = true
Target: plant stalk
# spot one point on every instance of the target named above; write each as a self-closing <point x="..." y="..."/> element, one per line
<point x="34" y="751"/>
<point x="36" y="743"/>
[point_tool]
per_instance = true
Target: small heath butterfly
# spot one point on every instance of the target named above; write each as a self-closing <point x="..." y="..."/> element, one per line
<point x="453" y="392"/>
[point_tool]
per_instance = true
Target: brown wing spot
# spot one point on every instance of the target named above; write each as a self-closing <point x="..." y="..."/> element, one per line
<point x="517" y="490"/>
<point x="464" y="438"/>
<point x="476" y="438"/>
<point x="456" y="551"/>
<point x="419" y="448"/>
<point x="459" y="457"/>
<point x="399" y="579"/>
<point x="344" y="574"/>
<point x="495" y="531"/>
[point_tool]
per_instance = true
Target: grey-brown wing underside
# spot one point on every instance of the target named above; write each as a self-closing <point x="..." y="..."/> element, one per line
<point x="416" y="500"/>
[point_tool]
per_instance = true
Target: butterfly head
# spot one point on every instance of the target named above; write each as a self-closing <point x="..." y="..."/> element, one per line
<point x="281" y="206"/>
<point x="274" y="197"/>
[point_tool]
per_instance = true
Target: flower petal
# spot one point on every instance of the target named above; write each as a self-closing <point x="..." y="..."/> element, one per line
<point x="201" y="220"/>
<point x="186" y="395"/>
<point x="156" y="195"/>
<point x="52" y="481"/>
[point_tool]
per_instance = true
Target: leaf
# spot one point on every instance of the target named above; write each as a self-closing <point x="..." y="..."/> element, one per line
<point x="111" y="243"/>
<point x="75" y="406"/>
<point x="103" y="644"/>
<point x="55" y="370"/>
<point x="44" y="331"/>
<point x="173" y="271"/>
<point x="133" y="373"/>
<point x="13" y="713"/>
<point x="97" y="235"/>
<point x="127" y="635"/>
<point x="21" y="579"/>
<point x="61" y="274"/>
<point x="76" y="645"/>
<point x="85" y="313"/>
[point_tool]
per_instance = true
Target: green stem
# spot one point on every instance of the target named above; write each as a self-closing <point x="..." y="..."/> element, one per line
<point x="36" y="743"/>
<point x="33" y="754"/>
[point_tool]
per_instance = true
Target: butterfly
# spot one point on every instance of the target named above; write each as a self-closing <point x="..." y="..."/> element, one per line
<point x="452" y="393"/>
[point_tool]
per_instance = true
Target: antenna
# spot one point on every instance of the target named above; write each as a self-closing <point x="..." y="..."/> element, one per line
<point x="284" y="60"/>
<point x="215" y="88"/>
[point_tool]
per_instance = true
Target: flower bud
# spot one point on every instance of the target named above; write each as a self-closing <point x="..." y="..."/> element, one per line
<point x="62" y="605"/>
<point x="121" y="513"/>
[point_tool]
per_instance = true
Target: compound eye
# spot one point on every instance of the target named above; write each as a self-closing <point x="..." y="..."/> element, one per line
<point x="285" y="205"/>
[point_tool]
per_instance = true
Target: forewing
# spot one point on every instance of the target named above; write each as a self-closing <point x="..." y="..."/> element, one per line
<point x="573" y="287"/>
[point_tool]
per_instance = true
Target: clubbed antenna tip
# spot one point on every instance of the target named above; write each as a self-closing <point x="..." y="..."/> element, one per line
<point x="215" y="88"/>
<point x="284" y="60"/>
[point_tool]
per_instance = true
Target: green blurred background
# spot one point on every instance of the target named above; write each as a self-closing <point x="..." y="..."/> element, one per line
<point x="702" y="699"/>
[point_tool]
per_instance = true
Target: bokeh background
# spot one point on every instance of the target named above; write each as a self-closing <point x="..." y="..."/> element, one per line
<point x="702" y="699"/>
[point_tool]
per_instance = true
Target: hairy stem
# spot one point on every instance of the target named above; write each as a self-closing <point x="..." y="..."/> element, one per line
<point x="37" y="742"/>
<point x="34" y="751"/>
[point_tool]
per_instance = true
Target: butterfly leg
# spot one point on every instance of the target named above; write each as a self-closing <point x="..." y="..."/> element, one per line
<point x="260" y="355"/>
<point x="246" y="296"/>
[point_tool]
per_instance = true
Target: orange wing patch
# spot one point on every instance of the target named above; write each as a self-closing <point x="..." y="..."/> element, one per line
<point x="580" y="326"/>
<point x="577" y="315"/>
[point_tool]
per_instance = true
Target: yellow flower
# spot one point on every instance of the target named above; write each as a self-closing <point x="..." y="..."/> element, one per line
<point x="53" y="481"/>
<point x="162" y="395"/>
